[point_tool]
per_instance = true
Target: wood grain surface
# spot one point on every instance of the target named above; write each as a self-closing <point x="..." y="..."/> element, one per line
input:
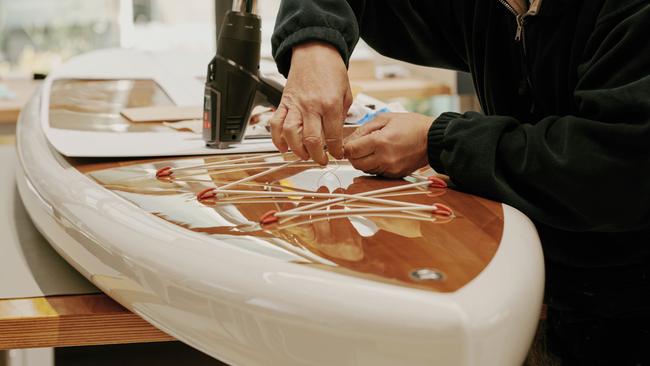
<point x="76" y="320"/>
<point x="95" y="105"/>
<point x="459" y="249"/>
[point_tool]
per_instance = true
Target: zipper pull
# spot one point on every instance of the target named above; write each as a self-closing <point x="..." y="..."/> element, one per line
<point x="520" y="27"/>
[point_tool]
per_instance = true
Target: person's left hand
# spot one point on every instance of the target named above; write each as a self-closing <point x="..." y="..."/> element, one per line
<point x="392" y="144"/>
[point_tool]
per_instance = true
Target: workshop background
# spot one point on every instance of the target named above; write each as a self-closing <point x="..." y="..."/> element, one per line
<point x="38" y="35"/>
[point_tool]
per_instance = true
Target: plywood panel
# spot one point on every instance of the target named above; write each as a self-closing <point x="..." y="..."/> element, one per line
<point x="78" y="320"/>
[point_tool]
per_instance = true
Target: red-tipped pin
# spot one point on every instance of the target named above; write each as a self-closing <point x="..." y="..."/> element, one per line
<point x="442" y="210"/>
<point x="206" y="193"/>
<point x="269" y="218"/>
<point x="164" y="172"/>
<point x="435" y="182"/>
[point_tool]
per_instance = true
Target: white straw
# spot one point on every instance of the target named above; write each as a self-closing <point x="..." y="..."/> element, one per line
<point x="363" y="194"/>
<point x="327" y="218"/>
<point x="351" y="211"/>
<point x="231" y="168"/>
<point x="260" y="174"/>
<point x="250" y="165"/>
<point x="223" y="162"/>
<point x="342" y="197"/>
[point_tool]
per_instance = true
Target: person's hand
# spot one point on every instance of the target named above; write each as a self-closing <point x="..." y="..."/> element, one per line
<point x="392" y="144"/>
<point x="314" y="104"/>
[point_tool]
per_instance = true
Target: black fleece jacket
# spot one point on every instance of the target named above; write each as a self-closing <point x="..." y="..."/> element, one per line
<point x="565" y="133"/>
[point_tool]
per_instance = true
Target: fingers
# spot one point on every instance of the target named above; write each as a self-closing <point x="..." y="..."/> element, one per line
<point x="313" y="137"/>
<point x="333" y="117"/>
<point x="376" y="124"/>
<point x="347" y="99"/>
<point x="363" y="141"/>
<point x="369" y="164"/>
<point x="292" y="132"/>
<point x="276" y="128"/>
<point x="301" y="132"/>
<point x="360" y="147"/>
<point x="333" y="130"/>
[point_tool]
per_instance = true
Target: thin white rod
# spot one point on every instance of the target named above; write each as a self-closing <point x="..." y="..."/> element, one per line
<point x="222" y="162"/>
<point x="260" y="174"/>
<point x="343" y="196"/>
<point x="363" y="194"/>
<point x="351" y="211"/>
<point x="252" y="200"/>
<point x="406" y="211"/>
<point x="236" y="168"/>
<point x="398" y="194"/>
<point x="247" y="165"/>
<point x="326" y="218"/>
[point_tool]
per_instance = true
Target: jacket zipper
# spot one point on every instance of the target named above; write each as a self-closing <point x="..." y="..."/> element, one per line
<point x="520" y="36"/>
<point x="518" y="17"/>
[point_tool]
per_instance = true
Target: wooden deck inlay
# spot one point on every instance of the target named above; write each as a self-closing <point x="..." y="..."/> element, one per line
<point x="460" y="249"/>
<point x="95" y="105"/>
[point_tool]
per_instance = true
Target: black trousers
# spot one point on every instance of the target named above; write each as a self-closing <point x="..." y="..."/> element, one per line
<point x="599" y="316"/>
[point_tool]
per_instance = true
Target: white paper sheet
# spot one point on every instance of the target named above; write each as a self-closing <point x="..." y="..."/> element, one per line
<point x="178" y="75"/>
<point x="29" y="267"/>
<point x="142" y="144"/>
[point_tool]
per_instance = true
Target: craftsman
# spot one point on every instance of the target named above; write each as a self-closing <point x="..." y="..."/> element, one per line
<point x="564" y="135"/>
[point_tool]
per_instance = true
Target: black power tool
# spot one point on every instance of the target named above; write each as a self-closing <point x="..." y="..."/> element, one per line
<point x="233" y="85"/>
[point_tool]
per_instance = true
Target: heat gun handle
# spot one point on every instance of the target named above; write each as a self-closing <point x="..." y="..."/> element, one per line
<point x="271" y="89"/>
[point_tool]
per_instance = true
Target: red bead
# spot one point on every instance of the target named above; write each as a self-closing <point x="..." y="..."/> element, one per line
<point x="436" y="182"/>
<point x="206" y="193"/>
<point x="164" y="172"/>
<point x="442" y="210"/>
<point x="269" y="218"/>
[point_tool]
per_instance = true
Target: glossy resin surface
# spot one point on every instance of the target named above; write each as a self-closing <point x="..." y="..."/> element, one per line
<point x="391" y="247"/>
<point x="95" y="105"/>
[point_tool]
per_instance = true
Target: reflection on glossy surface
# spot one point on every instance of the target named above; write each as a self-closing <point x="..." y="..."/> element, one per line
<point x="95" y="105"/>
<point x="381" y="247"/>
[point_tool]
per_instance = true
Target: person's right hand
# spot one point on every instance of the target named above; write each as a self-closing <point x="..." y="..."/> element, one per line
<point x="314" y="104"/>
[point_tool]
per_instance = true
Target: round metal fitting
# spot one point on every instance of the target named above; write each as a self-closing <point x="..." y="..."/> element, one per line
<point x="427" y="274"/>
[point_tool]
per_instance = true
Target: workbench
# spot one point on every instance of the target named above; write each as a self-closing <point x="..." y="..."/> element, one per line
<point x="71" y="320"/>
<point x="79" y="315"/>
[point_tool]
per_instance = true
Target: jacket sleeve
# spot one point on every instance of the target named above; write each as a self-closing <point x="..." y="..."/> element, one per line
<point x="397" y="29"/>
<point x="587" y="171"/>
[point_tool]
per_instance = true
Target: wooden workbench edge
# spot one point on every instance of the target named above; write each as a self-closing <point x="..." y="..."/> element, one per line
<point x="75" y="320"/>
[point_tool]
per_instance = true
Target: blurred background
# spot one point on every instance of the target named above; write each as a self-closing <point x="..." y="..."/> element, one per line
<point x="38" y="35"/>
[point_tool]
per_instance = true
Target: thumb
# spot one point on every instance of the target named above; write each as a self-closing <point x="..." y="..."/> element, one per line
<point x="375" y="124"/>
